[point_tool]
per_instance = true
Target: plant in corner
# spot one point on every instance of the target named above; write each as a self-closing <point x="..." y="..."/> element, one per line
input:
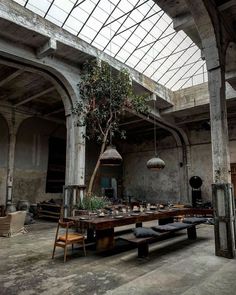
<point x="104" y="95"/>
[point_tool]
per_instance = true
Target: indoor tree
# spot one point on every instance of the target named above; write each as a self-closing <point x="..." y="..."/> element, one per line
<point x="104" y="95"/>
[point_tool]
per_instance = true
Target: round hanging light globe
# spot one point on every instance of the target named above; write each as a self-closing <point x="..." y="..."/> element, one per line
<point x="155" y="164"/>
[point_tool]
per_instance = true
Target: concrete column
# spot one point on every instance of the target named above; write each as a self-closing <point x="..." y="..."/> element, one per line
<point x="11" y="162"/>
<point x="222" y="189"/>
<point x="14" y="120"/>
<point x="75" y="163"/>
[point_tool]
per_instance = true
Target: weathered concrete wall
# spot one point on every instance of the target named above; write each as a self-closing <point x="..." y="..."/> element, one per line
<point x="4" y="137"/>
<point x="31" y="159"/>
<point x="143" y="184"/>
<point x="165" y="185"/>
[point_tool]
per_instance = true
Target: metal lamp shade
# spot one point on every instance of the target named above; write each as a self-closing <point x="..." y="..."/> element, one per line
<point x="110" y="157"/>
<point x="155" y="164"/>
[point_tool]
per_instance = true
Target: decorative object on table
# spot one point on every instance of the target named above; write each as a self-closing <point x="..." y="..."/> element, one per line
<point x="93" y="203"/>
<point x="155" y="163"/>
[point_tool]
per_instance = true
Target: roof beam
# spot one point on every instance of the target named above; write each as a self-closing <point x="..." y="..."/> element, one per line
<point x="10" y="77"/>
<point x="227" y="5"/>
<point x="60" y="110"/>
<point x="183" y="21"/>
<point x="34" y="96"/>
<point x="47" y="49"/>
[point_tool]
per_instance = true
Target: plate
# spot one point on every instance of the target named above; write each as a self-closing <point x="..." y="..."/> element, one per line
<point x="119" y="216"/>
<point x="83" y="218"/>
<point x="149" y="212"/>
<point x="134" y="214"/>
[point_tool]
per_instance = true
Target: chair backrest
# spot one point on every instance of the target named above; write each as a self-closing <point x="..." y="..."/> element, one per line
<point x="17" y="221"/>
<point x="5" y="225"/>
<point x="12" y="223"/>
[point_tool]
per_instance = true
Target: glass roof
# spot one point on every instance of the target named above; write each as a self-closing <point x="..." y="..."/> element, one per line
<point x="136" y="32"/>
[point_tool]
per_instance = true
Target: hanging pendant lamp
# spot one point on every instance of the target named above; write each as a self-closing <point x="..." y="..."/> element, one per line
<point x="110" y="157"/>
<point x="155" y="163"/>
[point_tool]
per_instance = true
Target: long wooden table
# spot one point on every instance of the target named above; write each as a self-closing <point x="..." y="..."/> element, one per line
<point x="102" y="228"/>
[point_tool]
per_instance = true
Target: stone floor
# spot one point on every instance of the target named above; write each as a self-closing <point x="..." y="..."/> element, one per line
<point x="175" y="267"/>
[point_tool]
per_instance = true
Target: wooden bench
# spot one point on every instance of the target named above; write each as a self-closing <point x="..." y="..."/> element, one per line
<point x="142" y="243"/>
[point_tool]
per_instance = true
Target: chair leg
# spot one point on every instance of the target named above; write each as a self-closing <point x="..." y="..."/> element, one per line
<point x="53" y="252"/>
<point x="72" y="246"/>
<point x="65" y="252"/>
<point x="84" y="248"/>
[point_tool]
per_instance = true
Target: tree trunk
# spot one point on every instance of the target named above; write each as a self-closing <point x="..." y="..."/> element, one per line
<point x="95" y="171"/>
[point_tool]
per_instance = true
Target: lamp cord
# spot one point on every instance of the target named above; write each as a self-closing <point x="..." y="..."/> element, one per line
<point x="110" y="77"/>
<point x="155" y="136"/>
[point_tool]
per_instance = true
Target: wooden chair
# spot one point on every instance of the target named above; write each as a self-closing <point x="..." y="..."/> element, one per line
<point x="12" y="224"/>
<point x="67" y="238"/>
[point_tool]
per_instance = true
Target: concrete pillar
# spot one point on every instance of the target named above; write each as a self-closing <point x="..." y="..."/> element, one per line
<point x="209" y="28"/>
<point x="11" y="162"/>
<point x="75" y="163"/>
<point x="14" y="120"/>
<point x="222" y="189"/>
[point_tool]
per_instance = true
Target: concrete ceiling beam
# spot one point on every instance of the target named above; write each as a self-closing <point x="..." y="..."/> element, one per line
<point x="14" y="13"/>
<point x="227" y="5"/>
<point x="183" y="21"/>
<point x="47" y="49"/>
<point x="57" y="111"/>
<point x="34" y="96"/>
<point x="11" y="77"/>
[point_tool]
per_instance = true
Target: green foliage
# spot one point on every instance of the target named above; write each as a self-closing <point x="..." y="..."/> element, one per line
<point x="104" y="94"/>
<point x="93" y="203"/>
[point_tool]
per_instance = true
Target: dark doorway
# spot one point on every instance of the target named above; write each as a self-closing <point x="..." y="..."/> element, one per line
<point x="56" y="165"/>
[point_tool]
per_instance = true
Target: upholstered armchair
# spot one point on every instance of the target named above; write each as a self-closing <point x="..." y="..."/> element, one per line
<point x="12" y="224"/>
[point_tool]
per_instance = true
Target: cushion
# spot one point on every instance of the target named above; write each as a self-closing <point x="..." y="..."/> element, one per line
<point x="143" y="232"/>
<point x="163" y="228"/>
<point x="179" y="225"/>
<point x="194" y="220"/>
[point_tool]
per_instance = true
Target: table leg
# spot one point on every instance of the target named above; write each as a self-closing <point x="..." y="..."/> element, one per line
<point x="139" y="224"/>
<point x="105" y="239"/>
<point x="90" y="234"/>
<point x="143" y="250"/>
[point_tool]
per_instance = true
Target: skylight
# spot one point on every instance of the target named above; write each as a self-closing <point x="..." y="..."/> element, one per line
<point x="136" y="32"/>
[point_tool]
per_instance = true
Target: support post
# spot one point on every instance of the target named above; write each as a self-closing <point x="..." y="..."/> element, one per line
<point x="75" y="164"/>
<point x="222" y="190"/>
<point x="11" y="161"/>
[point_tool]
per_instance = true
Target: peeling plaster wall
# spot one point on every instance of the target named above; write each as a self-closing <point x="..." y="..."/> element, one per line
<point x="4" y="137"/>
<point x="31" y="159"/>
